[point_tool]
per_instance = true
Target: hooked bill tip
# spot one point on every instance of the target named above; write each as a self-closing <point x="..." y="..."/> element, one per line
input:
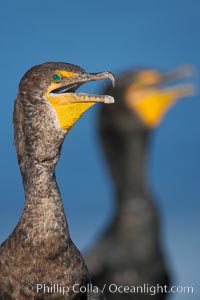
<point x="185" y="71"/>
<point x="111" y="77"/>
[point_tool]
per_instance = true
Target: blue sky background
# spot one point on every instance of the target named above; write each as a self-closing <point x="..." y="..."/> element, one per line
<point x="109" y="35"/>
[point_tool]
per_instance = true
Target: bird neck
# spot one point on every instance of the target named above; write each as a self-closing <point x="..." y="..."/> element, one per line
<point x="38" y="146"/>
<point x="43" y="216"/>
<point x="132" y="161"/>
<point x="131" y="184"/>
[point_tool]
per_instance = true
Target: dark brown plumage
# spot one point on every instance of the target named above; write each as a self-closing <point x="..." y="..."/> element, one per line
<point x="129" y="253"/>
<point x="40" y="250"/>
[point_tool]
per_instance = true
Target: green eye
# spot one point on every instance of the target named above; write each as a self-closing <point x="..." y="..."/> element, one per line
<point x="57" y="77"/>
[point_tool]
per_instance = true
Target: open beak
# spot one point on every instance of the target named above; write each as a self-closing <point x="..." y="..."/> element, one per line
<point x="67" y="90"/>
<point x="152" y="102"/>
<point x="69" y="105"/>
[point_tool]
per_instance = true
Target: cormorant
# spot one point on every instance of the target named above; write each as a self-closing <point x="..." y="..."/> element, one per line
<point x="129" y="253"/>
<point x="39" y="260"/>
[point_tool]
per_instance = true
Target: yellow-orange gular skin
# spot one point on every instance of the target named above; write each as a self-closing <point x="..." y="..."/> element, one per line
<point x="69" y="107"/>
<point x="150" y="100"/>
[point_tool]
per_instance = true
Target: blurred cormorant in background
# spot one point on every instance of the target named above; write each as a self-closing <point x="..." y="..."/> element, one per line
<point x="129" y="252"/>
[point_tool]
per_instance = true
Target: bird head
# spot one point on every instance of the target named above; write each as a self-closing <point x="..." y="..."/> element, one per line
<point x="56" y="84"/>
<point x="47" y="106"/>
<point x="151" y="95"/>
<point x="144" y="96"/>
